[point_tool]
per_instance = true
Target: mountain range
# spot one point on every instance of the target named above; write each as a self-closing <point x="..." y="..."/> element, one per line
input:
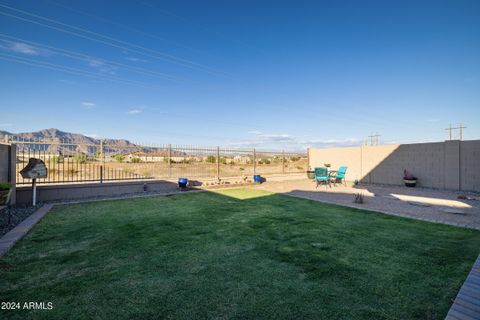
<point x="65" y="142"/>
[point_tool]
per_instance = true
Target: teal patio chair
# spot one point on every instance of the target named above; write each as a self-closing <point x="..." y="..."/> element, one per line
<point x="321" y="176"/>
<point x="339" y="176"/>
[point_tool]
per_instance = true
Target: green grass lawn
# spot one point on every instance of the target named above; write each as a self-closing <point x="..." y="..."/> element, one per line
<point x="235" y="254"/>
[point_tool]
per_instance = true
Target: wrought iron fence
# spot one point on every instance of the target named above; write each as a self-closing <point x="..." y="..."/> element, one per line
<point x="74" y="162"/>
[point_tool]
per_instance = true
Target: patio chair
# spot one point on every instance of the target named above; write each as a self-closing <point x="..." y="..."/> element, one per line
<point x="321" y="176"/>
<point x="339" y="175"/>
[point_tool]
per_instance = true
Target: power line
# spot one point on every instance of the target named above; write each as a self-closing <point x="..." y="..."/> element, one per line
<point x="83" y="57"/>
<point x="129" y="28"/>
<point x="75" y="71"/>
<point x="153" y="53"/>
<point x="374" y="137"/>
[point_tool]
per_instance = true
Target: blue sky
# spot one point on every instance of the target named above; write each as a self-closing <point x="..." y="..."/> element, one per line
<point x="272" y="74"/>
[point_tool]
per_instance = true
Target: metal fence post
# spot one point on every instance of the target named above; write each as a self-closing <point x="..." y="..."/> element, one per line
<point x="254" y="162"/>
<point x="218" y="162"/>
<point x="169" y="160"/>
<point x="102" y="160"/>
<point x="283" y="161"/>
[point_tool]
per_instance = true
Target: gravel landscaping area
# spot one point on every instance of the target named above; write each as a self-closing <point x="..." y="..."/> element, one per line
<point x="418" y="203"/>
<point x="11" y="217"/>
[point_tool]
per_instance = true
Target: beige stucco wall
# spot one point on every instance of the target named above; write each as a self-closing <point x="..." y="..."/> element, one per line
<point x="445" y="165"/>
<point x="470" y="165"/>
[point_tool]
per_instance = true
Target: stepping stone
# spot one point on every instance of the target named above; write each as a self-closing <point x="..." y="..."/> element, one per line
<point x="390" y="197"/>
<point x="452" y="210"/>
<point x="419" y="204"/>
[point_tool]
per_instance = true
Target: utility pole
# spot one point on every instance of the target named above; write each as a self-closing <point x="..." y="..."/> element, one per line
<point x="460" y="128"/>
<point x="372" y="136"/>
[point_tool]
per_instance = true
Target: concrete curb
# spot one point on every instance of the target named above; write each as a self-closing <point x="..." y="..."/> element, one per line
<point x="17" y="233"/>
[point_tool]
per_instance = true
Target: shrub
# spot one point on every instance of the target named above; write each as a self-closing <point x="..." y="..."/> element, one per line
<point x="294" y="158"/>
<point x="80" y="158"/>
<point x="5" y="186"/>
<point x="242" y="168"/>
<point x="52" y="171"/>
<point x="56" y="159"/>
<point x="136" y="160"/>
<point x="72" y="171"/>
<point x="211" y="159"/>
<point x="119" y="157"/>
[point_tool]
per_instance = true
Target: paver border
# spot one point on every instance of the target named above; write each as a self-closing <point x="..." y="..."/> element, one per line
<point x="17" y="233"/>
<point x="466" y="305"/>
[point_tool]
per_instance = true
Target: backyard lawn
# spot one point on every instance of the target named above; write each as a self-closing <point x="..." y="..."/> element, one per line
<point x="237" y="253"/>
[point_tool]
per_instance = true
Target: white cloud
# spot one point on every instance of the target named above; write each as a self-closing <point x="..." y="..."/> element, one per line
<point x="101" y="66"/>
<point x="135" y="111"/>
<point x="133" y="59"/>
<point x="24" y="48"/>
<point x="6" y="124"/>
<point x="289" y="142"/>
<point x="88" y="104"/>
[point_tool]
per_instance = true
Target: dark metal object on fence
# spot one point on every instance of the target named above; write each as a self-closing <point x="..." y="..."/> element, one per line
<point x="35" y="169"/>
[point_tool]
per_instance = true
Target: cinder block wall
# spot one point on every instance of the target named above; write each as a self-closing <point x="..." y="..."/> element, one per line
<point x="451" y="165"/>
<point x="7" y="167"/>
<point x="4" y="162"/>
<point x="470" y="165"/>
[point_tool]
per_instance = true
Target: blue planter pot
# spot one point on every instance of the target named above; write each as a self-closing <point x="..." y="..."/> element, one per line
<point x="182" y="182"/>
<point x="257" y="178"/>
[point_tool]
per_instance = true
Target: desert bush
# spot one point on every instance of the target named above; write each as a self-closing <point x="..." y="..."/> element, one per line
<point x="136" y="160"/>
<point x="81" y="158"/>
<point x="211" y="159"/>
<point x="56" y="159"/>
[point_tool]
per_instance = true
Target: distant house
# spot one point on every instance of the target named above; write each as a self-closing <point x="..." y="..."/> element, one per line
<point x="146" y="157"/>
<point x="154" y="157"/>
